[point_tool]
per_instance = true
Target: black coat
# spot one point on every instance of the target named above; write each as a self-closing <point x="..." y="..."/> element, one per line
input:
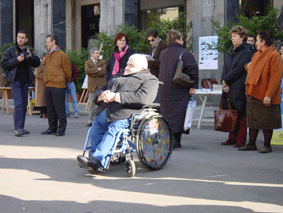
<point x="122" y="63"/>
<point x="173" y="98"/>
<point x="234" y="74"/>
<point x="136" y="90"/>
<point x="10" y="63"/>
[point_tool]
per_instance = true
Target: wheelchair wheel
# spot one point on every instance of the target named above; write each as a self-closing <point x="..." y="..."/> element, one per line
<point x="131" y="168"/>
<point x="154" y="141"/>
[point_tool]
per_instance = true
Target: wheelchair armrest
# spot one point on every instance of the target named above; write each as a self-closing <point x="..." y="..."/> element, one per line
<point x="153" y="105"/>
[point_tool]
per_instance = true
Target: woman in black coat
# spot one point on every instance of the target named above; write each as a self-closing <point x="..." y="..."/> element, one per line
<point x="119" y="58"/>
<point x="233" y="81"/>
<point x="174" y="98"/>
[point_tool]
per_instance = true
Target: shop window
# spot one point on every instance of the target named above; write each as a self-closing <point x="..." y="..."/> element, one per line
<point x="152" y="15"/>
<point x="250" y="8"/>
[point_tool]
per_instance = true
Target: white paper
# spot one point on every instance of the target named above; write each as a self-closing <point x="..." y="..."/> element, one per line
<point x="208" y="54"/>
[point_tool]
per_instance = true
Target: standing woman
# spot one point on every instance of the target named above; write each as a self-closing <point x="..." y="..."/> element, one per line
<point x="40" y="100"/>
<point x="119" y="58"/>
<point x="233" y="81"/>
<point x="263" y="90"/>
<point x="174" y="98"/>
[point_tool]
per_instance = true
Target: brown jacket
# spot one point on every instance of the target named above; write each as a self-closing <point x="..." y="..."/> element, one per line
<point x="57" y="69"/>
<point x="154" y="65"/>
<point x="96" y="78"/>
<point x="265" y="74"/>
<point x="40" y="100"/>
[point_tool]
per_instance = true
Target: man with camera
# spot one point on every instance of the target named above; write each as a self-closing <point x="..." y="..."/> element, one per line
<point x="17" y="62"/>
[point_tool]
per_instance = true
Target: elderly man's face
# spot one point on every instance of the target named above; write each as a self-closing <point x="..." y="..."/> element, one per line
<point x="131" y="67"/>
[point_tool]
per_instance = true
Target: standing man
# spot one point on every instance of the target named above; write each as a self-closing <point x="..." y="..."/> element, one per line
<point x="157" y="45"/>
<point x="17" y="62"/>
<point x="251" y="41"/>
<point x="95" y="69"/>
<point x="57" y="74"/>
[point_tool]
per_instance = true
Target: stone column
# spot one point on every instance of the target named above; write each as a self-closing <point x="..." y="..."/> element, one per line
<point x="6" y="22"/>
<point x="112" y="15"/>
<point x="203" y="12"/>
<point x="42" y="24"/>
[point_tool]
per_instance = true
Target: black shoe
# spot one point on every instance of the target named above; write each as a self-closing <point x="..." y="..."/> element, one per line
<point x="19" y="132"/>
<point x="48" y="132"/>
<point x="92" y="164"/>
<point x="176" y="145"/>
<point x="60" y="134"/>
<point x="89" y="124"/>
<point x="25" y="131"/>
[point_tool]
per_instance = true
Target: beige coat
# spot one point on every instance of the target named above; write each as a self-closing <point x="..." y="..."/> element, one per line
<point x="40" y="86"/>
<point x="96" y="78"/>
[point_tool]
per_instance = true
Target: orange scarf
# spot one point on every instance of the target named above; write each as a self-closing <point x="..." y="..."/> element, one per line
<point x="259" y="60"/>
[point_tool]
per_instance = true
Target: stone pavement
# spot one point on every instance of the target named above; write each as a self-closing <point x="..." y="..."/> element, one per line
<point x="40" y="174"/>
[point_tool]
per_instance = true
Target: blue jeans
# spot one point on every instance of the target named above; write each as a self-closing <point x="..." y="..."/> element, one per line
<point x="103" y="135"/>
<point x="70" y="88"/>
<point x="20" y="96"/>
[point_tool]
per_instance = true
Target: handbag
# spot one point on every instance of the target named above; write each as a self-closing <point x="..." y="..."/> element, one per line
<point x="207" y="83"/>
<point x="181" y="78"/>
<point x="189" y="115"/>
<point x="225" y="120"/>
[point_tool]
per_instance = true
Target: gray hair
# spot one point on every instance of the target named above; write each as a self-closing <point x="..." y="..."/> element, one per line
<point x="140" y="60"/>
<point x="93" y="49"/>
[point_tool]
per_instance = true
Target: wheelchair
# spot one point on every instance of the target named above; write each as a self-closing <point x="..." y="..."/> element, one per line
<point x="149" y="134"/>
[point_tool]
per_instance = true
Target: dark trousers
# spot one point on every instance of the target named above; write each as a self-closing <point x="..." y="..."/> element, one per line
<point x="55" y="102"/>
<point x="20" y="96"/>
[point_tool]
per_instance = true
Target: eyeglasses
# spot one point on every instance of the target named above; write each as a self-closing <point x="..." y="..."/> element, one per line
<point x="152" y="40"/>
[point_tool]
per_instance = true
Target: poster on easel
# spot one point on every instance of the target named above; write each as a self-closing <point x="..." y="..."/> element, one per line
<point x="208" y="53"/>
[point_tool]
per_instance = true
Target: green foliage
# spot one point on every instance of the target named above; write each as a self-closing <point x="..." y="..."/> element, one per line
<point x="253" y="25"/>
<point x="79" y="59"/>
<point x="137" y="38"/>
<point x="4" y="48"/>
<point x="164" y="26"/>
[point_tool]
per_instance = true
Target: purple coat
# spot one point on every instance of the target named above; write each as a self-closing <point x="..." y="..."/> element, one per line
<point x="173" y="98"/>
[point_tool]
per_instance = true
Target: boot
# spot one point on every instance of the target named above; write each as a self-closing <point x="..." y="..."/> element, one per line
<point x="242" y="133"/>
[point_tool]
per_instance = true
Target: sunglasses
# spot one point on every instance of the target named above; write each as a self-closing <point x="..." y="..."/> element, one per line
<point x="152" y="40"/>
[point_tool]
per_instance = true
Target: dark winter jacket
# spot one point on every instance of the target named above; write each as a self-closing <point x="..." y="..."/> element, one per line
<point x="122" y="63"/>
<point x="10" y="64"/>
<point x="174" y="98"/>
<point x="154" y="65"/>
<point x="136" y="90"/>
<point x="234" y="74"/>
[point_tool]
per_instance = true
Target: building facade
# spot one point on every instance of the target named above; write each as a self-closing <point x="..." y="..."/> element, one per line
<point x="77" y="21"/>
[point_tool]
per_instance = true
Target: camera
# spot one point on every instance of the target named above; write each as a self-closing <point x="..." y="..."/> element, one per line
<point x="25" y="51"/>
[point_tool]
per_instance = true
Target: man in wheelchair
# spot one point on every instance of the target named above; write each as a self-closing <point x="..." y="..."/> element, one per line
<point x="117" y="101"/>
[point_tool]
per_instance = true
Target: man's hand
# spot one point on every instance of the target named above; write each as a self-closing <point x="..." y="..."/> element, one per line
<point x="21" y="58"/>
<point x="107" y="96"/>
<point x="267" y="101"/>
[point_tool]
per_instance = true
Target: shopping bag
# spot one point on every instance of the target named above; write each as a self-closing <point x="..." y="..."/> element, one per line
<point x="189" y="114"/>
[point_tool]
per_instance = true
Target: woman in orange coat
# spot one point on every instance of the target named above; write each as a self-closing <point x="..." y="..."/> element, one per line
<point x="263" y="90"/>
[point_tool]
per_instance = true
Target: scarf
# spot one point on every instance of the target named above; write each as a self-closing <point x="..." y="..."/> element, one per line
<point x="259" y="60"/>
<point x="118" y="56"/>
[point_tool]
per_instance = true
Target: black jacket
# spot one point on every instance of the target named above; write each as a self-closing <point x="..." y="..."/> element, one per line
<point x="122" y="63"/>
<point x="234" y="74"/>
<point x="10" y="63"/>
<point x="136" y="90"/>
